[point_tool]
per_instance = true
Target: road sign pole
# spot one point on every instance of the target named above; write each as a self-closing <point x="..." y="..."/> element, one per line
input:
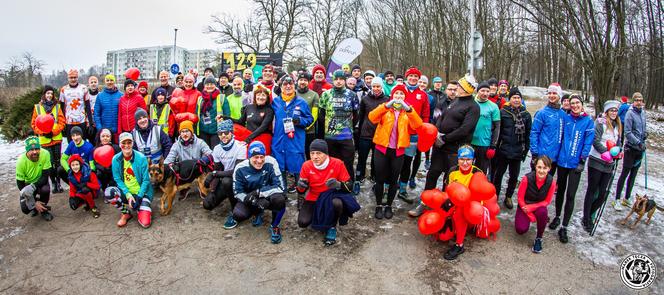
<point x="472" y="33"/>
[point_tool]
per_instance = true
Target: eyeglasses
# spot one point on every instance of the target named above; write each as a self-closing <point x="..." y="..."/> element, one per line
<point x="638" y="100"/>
<point x="224" y="132"/>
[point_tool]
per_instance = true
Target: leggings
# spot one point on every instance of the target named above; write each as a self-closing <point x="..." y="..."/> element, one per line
<point x="220" y="188"/>
<point x="389" y="166"/>
<point x="43" y="194"/>
<point x="56" y="152"/>
<point x="276" y="204"/>
<point x="343" y="150"/>
<point x="78" y="200"/>
<point x="460" y="225"/>
<point x="411" y="164"/>
<point x="105" y="176"/>
<point x="365" y="146"/>
<point x="630" y="168"/>
<point x="441" y="162"/>
<point x="481" y="161"/>
<point x="568" y="183"/>
<point x="306" y="214"/>
<point x="502" y="164"/>
<point x="522" y="222"/>
<point x="143" y="203"/>
<point x="598" y="183"/>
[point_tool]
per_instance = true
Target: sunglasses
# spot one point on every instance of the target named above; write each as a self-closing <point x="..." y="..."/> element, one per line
<point x="224" y="133"/>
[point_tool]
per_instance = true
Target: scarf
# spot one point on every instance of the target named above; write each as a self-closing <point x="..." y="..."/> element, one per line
<point x="229" y="145"/>
<point x="554" y="105"/>
<point x="287" y="98"/>
<point x="324" y="165"/>
<point x="48" y="105"/>
<point x="207" y="99"/>
<point x="317" y="86"/>
<point x="267" y="84"/>
<point x="519" y="126"/>
<point x="411" y="88"/>
<point x="187" y="142"/>
<point x="93" y="92"/>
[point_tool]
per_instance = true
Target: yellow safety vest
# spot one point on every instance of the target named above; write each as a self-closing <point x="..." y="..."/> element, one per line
<point x="219" y="100"/>
<point x="54" y="112"/>
<point x="162" y="121"/>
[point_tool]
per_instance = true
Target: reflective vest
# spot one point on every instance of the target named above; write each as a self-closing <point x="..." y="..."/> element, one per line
<point x="152" y="147"/>
<point x="219" y="101"/>
<point x="54" y="112"/>
<point x="162" y="120"/>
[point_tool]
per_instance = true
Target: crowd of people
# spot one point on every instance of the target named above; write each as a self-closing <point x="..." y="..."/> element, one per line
<point x="303" y="133"/>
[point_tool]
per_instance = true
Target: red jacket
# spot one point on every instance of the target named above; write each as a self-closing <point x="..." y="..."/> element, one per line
<point x="191" y="96"/>
<point x="317" y="178"/>
<point x="127" y="107"/>
<point x="419" y="101"/>
<point x="498" y="100"/>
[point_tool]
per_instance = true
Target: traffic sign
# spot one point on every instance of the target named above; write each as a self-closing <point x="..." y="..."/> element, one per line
<point x="175" y="69"/>
<point x="475" y="44"/>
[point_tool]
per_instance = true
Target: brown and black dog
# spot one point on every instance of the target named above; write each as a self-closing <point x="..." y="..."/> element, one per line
<point x="641" y="207"/>
<point x="170" y="183"/>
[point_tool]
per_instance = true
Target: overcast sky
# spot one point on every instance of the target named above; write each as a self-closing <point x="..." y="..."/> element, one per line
<point x="76" y="34"/>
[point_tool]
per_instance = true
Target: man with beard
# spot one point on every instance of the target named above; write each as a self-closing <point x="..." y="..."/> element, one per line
<point x="319" y="84"/>
<point x="32" y="173"/>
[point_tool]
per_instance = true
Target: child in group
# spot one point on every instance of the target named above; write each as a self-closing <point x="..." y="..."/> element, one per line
<point x="83" y="185"/>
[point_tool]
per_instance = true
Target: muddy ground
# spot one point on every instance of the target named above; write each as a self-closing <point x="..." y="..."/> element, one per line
<point x="189" y="252"/>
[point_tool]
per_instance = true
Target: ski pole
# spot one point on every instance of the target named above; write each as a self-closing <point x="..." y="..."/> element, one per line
<point x="608" y="190"/>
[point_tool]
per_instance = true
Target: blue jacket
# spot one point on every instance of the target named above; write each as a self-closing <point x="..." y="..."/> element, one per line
<point x="635" y="128"/>
<point x="324" y="215"/>
<point x="578" y="136"/>
<point x="139" y="164"/>
<point x="246" y="179"/>
<point x="106" y="109"/>
<point x="547" y="132"/>
<point x="622" y="111"/>
<point x="289" y="152"/>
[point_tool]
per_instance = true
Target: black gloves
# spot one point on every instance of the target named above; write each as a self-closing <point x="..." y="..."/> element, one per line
<point x="579" y="167"/>
<point x="252" y="198"/>
<point x="333" y="183"/>
<point x="447" y="205"/>
<point x="302" y="185"/>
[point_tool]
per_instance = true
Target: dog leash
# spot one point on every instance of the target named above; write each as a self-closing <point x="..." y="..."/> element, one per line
<point x="645" y="167"/>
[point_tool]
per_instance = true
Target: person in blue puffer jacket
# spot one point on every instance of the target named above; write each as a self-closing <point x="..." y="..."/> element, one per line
<point x="291" y="117"/>
<point x="547" y="130"/>
<point x="106" y="106"/>
<point x="578" y="136"/>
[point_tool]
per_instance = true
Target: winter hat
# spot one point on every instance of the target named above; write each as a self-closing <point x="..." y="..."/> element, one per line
<point x="514" y="91"/>
<point x="611" y="104"/>
<point x="483" y="84"/>
<point x="32" y="143"/>
<point x="160" y="91"/>
<point x="623" y="98"/>
<point x="304" y="75"/>
<point x="75" y="157"/>
<point x="140" y="113"/>
<point x="413" y="71"/>
<point x="209" y="80"/>
<point x="398" y="77"/>
<point x="351" y="79"/>
<point x="48" y="88"/>
<point x="377" y="81"/>
<point x="369" y="73"/>
<point x="399" y="87"/>
<point x="287" y="79"/>
<point x="76" y="130"/>
<point x="345" y="67"/>
<point x="424" y="78"/>
<point x="189" y="77"/>
<point x="468" y="83"/>
<point x="437" y="79"/>
<point x="256" y="148"/>
<point x="466" y="152"/>
<point x="318" y="145"/>
<point x="110" y="77"/>
<point x="268" y="67"/>
<point x="492" y="81"/>
<point x="188" y="125"/>
<point x="105" y="131"/>
<point x="388" y="72"/>
<point x="224" y="75"/>
<point x="339" y="74"/>
<point x="143" y="84"/>
<point x="224" y="126"/>
<point x="129" y="82"/>
<point x="555" y="88"/>
<point x="316" y="68"/>
<point x="355" y="67"/>
<point x="504" y="82"/>
<point x="125" y="136"/>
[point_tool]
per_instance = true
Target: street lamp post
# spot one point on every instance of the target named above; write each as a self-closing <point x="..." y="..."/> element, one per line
<point x="175" y="42"/>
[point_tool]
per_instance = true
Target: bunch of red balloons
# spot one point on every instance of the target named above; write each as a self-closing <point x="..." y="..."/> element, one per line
<point x="426" y="136"/>
<point x="478" y="203"/>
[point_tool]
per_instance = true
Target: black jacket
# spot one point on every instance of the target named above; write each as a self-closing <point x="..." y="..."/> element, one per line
<point x="368" y="104"/>
<point x="257" y="119"/>
<point x="510" y="145"/>
<point x="458" y="123"/>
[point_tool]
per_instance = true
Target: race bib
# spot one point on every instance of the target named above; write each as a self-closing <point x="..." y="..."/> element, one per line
<point x="288" y="125"/>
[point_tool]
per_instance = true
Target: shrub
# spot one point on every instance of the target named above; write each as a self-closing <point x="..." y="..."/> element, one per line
<point x="17" y="118"/>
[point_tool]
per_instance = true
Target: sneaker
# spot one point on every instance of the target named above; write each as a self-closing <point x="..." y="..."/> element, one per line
<point x="356" y="188"/>
<point x="537" y="246"/>
<point x="95" y="212"/>
<point x="427" y="165"/>
<point x="454" y="252"/>
<point x="587" y="225"/>
<point x="412" y="184"/>
<point x="379" y="212"/>
<point x="508" y="203"/>
<point x="230" y="222"/>
<point x="627" y="203"/>
<point x="388" y="212"/>
<point x="562" y="235"/>
<point x="123" y="219"/>
<point x="616" y="205"/>
<point x="47" y="215"/>
<point x="417" y="211"/>
<point x="144" y="218"/>
<point x="58" y="188"/>
<point x="331" y="237"/>
<point x="275" y="235"/>
<point x="555" y="223"/>
<point x="258" y="220"/>
<point x="403" y="195"/>
<point x="292" y="189"/>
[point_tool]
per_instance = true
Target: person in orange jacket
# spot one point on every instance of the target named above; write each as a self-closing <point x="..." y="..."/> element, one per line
<point x="50" y="140"/>
<point x="393" y="120"/>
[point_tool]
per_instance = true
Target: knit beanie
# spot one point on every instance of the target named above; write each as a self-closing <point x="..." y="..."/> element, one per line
<point x="555" y="88"/>
<point x="356" y="67"/>
<point x="483" y="84"/>
<point x="225" y="126"/>
<point x="318" y="145"/>
<point x="437" y="79"/>
<point x="210" y="80"/>
<point x="339" y="74"/>
<point x="377" y="81"/>
<point x="188" y="125"/>
<point x="160" y="91"/>
<point x="611" y="104"/>
<point x="369" y="73"/>
<point x="424" y="78"/>
<point x="466" y="152"/>
<point x="256" y="148"/>
<point x="32" y="143"/>
<point x="143" y="84"/>
<point x="492" y="81"/>
<point x="316" y="68"/>
<point x="48" y="88"/>
<point x="140" y="113"/>
<point x="413" y="71"/>
<point x="468" y="83"/>
<point x="129" y="82"/>
<point x="110" y="77"/>
<point x="76" y="130"/>
<point x="514" y="91"/>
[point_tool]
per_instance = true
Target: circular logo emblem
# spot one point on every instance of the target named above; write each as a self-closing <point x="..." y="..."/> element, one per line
<point x="638" y="271"/>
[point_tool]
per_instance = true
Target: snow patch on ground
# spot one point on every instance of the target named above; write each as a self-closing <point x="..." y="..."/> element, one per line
<point x="12" y="233"/>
